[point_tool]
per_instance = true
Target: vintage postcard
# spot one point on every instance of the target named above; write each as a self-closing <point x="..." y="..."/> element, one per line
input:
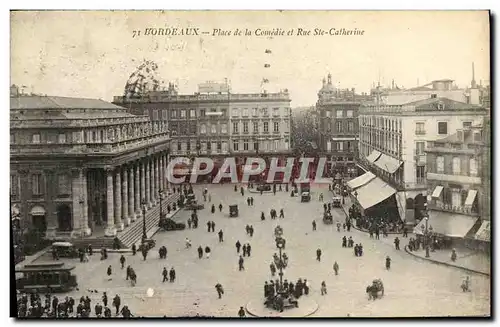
<point x="250" y="164"/>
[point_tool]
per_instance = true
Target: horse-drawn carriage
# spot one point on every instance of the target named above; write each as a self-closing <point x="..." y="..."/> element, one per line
<point x="233" y="210"/>
<point x="305" y="197"/>
<point x="327" y="218"/>
<point x="375" y="290"/>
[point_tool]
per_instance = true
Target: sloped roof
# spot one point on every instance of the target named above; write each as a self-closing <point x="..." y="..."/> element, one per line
<point x="433" y="103"/>
<point x="53" y="102"/>
<point x="420" y="88"/>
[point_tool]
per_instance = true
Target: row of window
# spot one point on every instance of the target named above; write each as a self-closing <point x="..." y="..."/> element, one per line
<point x="245" y="112"/>
<point x="456" y="166"/>
<point x="222" y="146"/>
<point x="340" y="146"/>
<point x="255" y="125"/>
<point x="37" y="184"/>
<point x="340" y="127"/>
<point x="386" y="141"/>
<point x="213" y="129"/>
<point x="340" y="113"/>
<point x="393" y="125"/>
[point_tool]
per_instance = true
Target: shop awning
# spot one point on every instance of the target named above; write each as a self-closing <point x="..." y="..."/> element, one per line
<point x="373" y="156"/>
<point x="37" y="211"/>
<point x="372" y="193"/>
<point x="360" y="180"/>
<point x="389" y="164"/>
<point x="484" y="232"/>
<point x="447" y="224"/>
<point x="471" y="196"/>
<point x="437" y="191"/>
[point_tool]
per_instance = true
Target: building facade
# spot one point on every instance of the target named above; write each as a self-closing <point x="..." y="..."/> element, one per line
<point x="338" y="124"/>
<point x="83" y="166"/>
<point x="456" y="182"/>
<point x="393" y="140"/>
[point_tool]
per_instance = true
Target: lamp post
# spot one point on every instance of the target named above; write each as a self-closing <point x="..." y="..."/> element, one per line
<point x="144" y="234"/>
<point x="280" y="244"/>
<point x="426" y="233"/>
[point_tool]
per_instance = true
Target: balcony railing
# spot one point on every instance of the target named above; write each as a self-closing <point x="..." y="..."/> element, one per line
<point x="420" y="132"/>
<point x="460" y="179"/>
<point x="440" y="206"/>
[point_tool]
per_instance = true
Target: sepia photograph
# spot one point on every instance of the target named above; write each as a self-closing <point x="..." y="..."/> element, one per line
<point x="250" y="164"/>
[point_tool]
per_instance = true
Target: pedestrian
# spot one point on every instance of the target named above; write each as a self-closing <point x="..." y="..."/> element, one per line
<point x="90" y="249"/>
<point x="220" y="207"/>
<point x="220" y="290"/>
<point x="221" y="236"/>
<point x="251" y="200"/>
<point x="262" y="217"/>
<point x="344" y="242"/>
<point x="405" y="232"/>
<point x="321" y="197"/>
<point x="251" y="230"/>
<point x="356" y="250"/>
<point x="122" y="261"/>
<point x="104" y="299"/>
<point x="282" y="214"/>
<point x="165" y="275"/>
<point x="244" y="249"/>
<point x="213" y="208"/>
<point x="396" y="243"/>
<point x="209" y="226"/>
<point x="323" y="288"/>
<point x="238" y="246"/>
<point x="249" y="249"/>
<point x="248" y="201"/>
<point x="336" y="268"/>
<point x="109" y="272"/>
<point x="144" y="252"/>
<point x="189" y="223"/>
<point x="241" y="312"/>
<point x="388" y="263"/>
<point x="240" y="263"/>
<point x="314" y="225"/>
<point x="242" y="191"/>
<point x="116" y="303"/>
<point x="207" y="252"/>
<point x="172" y="274"/>
<point x="213" y="226"/>
<point x="200" y="252"/>
<point x="318" y="254"/>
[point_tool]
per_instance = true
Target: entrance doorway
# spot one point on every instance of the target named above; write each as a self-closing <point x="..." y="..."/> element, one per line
<point x="64" y="218"/>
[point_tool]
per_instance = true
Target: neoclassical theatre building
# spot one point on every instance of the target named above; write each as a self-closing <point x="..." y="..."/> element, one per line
<point x="83" y="166"/>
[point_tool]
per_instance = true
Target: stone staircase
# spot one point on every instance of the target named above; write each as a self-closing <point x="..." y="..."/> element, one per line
<point x="96" y="242"/>
<point x="133" y="233"/>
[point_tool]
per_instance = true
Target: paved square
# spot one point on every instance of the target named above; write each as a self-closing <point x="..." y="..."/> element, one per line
<point x="412" y="287"/>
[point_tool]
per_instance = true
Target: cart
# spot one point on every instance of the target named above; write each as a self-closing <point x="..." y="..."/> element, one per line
<point x="305" y="197"/>
<point x="337" y="201"/>
<point x="233" y="210"/>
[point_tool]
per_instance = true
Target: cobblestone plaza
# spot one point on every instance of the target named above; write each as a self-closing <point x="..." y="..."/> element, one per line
<point x="413" y="287"/>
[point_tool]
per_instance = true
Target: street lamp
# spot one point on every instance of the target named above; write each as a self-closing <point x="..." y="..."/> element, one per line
<point x="144" y="234"/>
<point x="280" y="243"/>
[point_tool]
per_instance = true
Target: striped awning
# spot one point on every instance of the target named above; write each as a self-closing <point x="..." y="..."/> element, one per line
<point x="471" y="196"/>
<point x="484" y="232"/>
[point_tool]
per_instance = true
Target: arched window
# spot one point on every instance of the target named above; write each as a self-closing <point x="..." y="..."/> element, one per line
<point x="473" y="166"/>
<point x="456" y="166"/>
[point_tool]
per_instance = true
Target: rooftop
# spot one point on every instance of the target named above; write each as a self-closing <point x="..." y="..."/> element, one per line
<point x="56" y="102"/>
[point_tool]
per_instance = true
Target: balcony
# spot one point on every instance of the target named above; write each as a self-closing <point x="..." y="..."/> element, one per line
<point x="420" y="132"/>
<point x="420" y="159"/>
<point x="440" y="206"/>
<point x="459" y="179"/>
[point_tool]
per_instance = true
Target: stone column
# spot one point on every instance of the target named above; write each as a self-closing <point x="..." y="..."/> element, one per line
<point x="138" y="191"/>
<point x="126" y="218"/>
<point x="131" y="195"/>
<point x="157" y="177"/>
<point x="118" y="200"/>
<point x="110" y="199"/>
<point x="77" y="203"/>
<point x="147" y="179"/>
<point x="85" y="214"/>
<point x="162" y="173"/>
<point x="153" y="180"/>
<point x="143" y="187"/>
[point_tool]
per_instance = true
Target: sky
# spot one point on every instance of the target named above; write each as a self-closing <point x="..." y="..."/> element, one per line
<point x="92" y="53"/>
